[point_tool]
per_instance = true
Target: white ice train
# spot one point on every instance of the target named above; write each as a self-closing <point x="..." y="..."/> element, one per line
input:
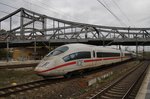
<point x="71" y="58"/>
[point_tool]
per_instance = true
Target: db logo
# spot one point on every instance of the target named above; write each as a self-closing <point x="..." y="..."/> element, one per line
<point x="79" y="62"/>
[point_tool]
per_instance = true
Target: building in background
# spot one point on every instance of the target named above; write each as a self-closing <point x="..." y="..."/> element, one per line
<point x="29" y="54"/>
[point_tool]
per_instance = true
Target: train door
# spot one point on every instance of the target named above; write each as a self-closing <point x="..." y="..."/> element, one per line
<point x="94" y="57"/>
<point x="121" y="55"/>
<point x="99" y="58"/>
<point x="84" y="59"/>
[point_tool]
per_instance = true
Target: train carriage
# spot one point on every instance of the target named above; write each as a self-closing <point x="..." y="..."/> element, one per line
<point x="75" y="57"/>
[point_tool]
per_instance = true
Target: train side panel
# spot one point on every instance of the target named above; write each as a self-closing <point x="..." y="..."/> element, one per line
<point x="77" y="57"/>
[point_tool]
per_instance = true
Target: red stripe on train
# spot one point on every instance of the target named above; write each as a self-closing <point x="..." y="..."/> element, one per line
<point x="63" y="65"/>
<point x="99" y="59"/>
<point x="92" y="60"/>
<point x="74" y="62"/>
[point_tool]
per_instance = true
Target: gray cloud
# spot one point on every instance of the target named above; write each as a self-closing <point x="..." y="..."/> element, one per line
<point x="87" y="11"/>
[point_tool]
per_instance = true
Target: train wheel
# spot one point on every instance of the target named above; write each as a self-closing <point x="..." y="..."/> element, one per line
<point x="81" y="74"/>
<point x="44" y="77"/>
<point x="68" y="75"/>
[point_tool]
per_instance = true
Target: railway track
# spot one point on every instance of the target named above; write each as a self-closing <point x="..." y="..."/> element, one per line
<point x="18" y="66"/>
<point x="124" y="87"/>
<point x="4" y="92"/>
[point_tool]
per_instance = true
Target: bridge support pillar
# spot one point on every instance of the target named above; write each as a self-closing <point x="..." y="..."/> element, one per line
<point x="7" y="56"/>
<point x="137" y="50"/>
<point x="143" y="51"/>
<point x="21" y="23"/>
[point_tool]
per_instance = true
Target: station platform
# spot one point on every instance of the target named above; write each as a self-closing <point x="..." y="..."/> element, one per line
<point x="144" y="91"/>
<point x="5" y="63"/>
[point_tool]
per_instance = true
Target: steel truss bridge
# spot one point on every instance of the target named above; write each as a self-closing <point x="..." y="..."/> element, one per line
<point x="27" y="28"/>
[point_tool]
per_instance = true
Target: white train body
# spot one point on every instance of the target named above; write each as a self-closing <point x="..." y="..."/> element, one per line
<point x="74" y="57"/>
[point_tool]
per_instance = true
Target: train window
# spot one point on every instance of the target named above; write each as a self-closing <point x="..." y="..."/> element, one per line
<point x="99" y="54"/>
<point x="58" y="51"/>
<point x="73" y="56"/>
<point x="82" y="55"/>
<point x="111" y="54"/>
<point x="67" y="58"/>
<point x="78" y="55"/>
<point x="62" y="49"/>
<point x="128" y="54"/>
<point x="70" y="57"/>
<point x="104" y="54"/>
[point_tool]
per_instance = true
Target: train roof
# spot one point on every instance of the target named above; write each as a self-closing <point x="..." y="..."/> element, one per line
<point x="75" y="46"/>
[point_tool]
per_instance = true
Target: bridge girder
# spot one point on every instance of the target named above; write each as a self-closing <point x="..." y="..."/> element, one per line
<point x="41" y="28"/>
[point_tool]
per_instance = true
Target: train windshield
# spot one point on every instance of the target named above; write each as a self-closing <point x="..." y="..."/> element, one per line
<point x="58" y="51"/>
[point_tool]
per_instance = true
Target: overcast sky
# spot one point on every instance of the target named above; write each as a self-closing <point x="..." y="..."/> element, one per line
<point x="134" y="13"/>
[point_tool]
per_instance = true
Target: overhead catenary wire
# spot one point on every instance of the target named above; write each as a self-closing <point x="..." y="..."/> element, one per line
<point x="56" y="11"/>
<point x="1" y="3"/>
<point x="121" y="10"/>
<point x="121" y="22"/>
<point x="116" y="17"/>
<point x="37" y="5"/>
<point x="116" y="5"/>
<point x="52" y="7"/>
<point x="8" y="5"/>
<point x="106" y="4"/>
<point x="5" y="12"/>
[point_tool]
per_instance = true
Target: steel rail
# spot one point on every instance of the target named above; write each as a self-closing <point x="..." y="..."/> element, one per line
<point x="5" y="92"/>
<point x="18" y="66"/>
<point x="105" y="92"/>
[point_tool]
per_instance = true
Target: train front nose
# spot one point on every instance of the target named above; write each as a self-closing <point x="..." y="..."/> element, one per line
<point x="44" y="68"/>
